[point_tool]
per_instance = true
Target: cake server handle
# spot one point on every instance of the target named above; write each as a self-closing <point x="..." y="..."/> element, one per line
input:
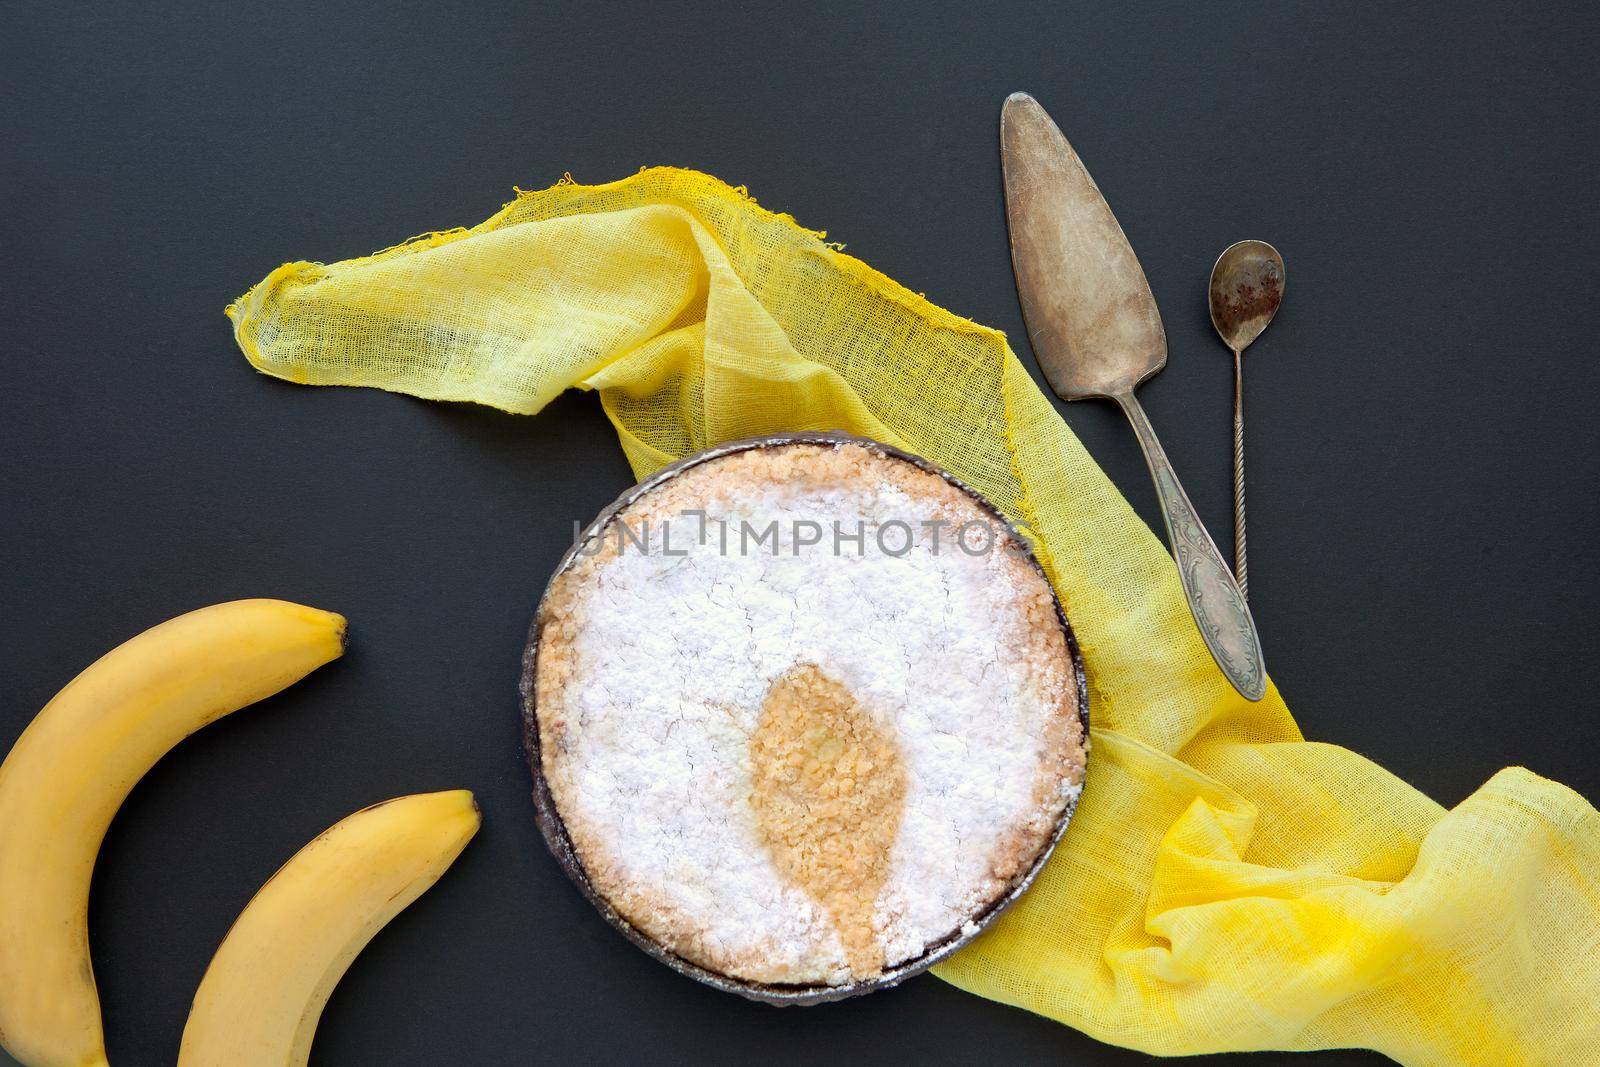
<point x="1218" y="606"/>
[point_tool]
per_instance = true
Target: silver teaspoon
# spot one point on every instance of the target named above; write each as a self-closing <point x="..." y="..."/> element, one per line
<point x="1246" y="289"/>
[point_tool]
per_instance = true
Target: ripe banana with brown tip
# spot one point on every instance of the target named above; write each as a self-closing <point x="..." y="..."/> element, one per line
<point x="74" y="765"/>
<point x="263" y="995"/>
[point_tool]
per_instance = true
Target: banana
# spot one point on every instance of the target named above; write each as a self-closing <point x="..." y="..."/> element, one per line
<point x="75" y="764"/>
<point x="263" y="995"/>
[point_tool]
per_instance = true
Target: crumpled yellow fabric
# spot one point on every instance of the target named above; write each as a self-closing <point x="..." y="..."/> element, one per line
<point x="1225" y="884"/>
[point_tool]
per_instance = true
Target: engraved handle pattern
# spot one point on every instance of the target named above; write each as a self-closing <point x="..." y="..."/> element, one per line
<point x="1218" y="606"/>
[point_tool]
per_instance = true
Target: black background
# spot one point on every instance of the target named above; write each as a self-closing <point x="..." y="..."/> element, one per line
<point x="1422" y="439"/>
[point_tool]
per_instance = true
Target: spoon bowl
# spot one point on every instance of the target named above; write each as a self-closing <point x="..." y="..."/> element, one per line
<point x="1246" y="289"/>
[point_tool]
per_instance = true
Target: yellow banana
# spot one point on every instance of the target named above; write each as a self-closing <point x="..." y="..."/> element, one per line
<point x="73" y="767"/>
<point x="263" y="995"/>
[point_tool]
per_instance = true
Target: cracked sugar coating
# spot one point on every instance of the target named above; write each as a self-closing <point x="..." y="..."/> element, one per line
<point x="805" y="767"/>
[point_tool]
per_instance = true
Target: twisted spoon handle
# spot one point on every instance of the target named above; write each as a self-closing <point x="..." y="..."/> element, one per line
<point x="1218" y="606"/>
<point x="1241" y="569"/>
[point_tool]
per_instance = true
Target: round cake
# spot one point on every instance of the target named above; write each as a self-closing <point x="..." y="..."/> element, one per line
<point x="803" y="713"/>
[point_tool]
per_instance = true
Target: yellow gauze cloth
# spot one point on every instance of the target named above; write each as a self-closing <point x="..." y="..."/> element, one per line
<point x="1225" y="884"/>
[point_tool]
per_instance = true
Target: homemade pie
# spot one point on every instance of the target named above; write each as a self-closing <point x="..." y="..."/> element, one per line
<point x="806" y="711"/>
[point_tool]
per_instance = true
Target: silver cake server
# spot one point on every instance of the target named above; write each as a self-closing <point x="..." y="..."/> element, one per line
<point x="1095" y="329"/>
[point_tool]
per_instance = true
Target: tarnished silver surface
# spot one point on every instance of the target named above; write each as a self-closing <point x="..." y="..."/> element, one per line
<point x="555" y="832"/>
<point x="1096" y="332"/>
<point x="1245" y="291"/>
